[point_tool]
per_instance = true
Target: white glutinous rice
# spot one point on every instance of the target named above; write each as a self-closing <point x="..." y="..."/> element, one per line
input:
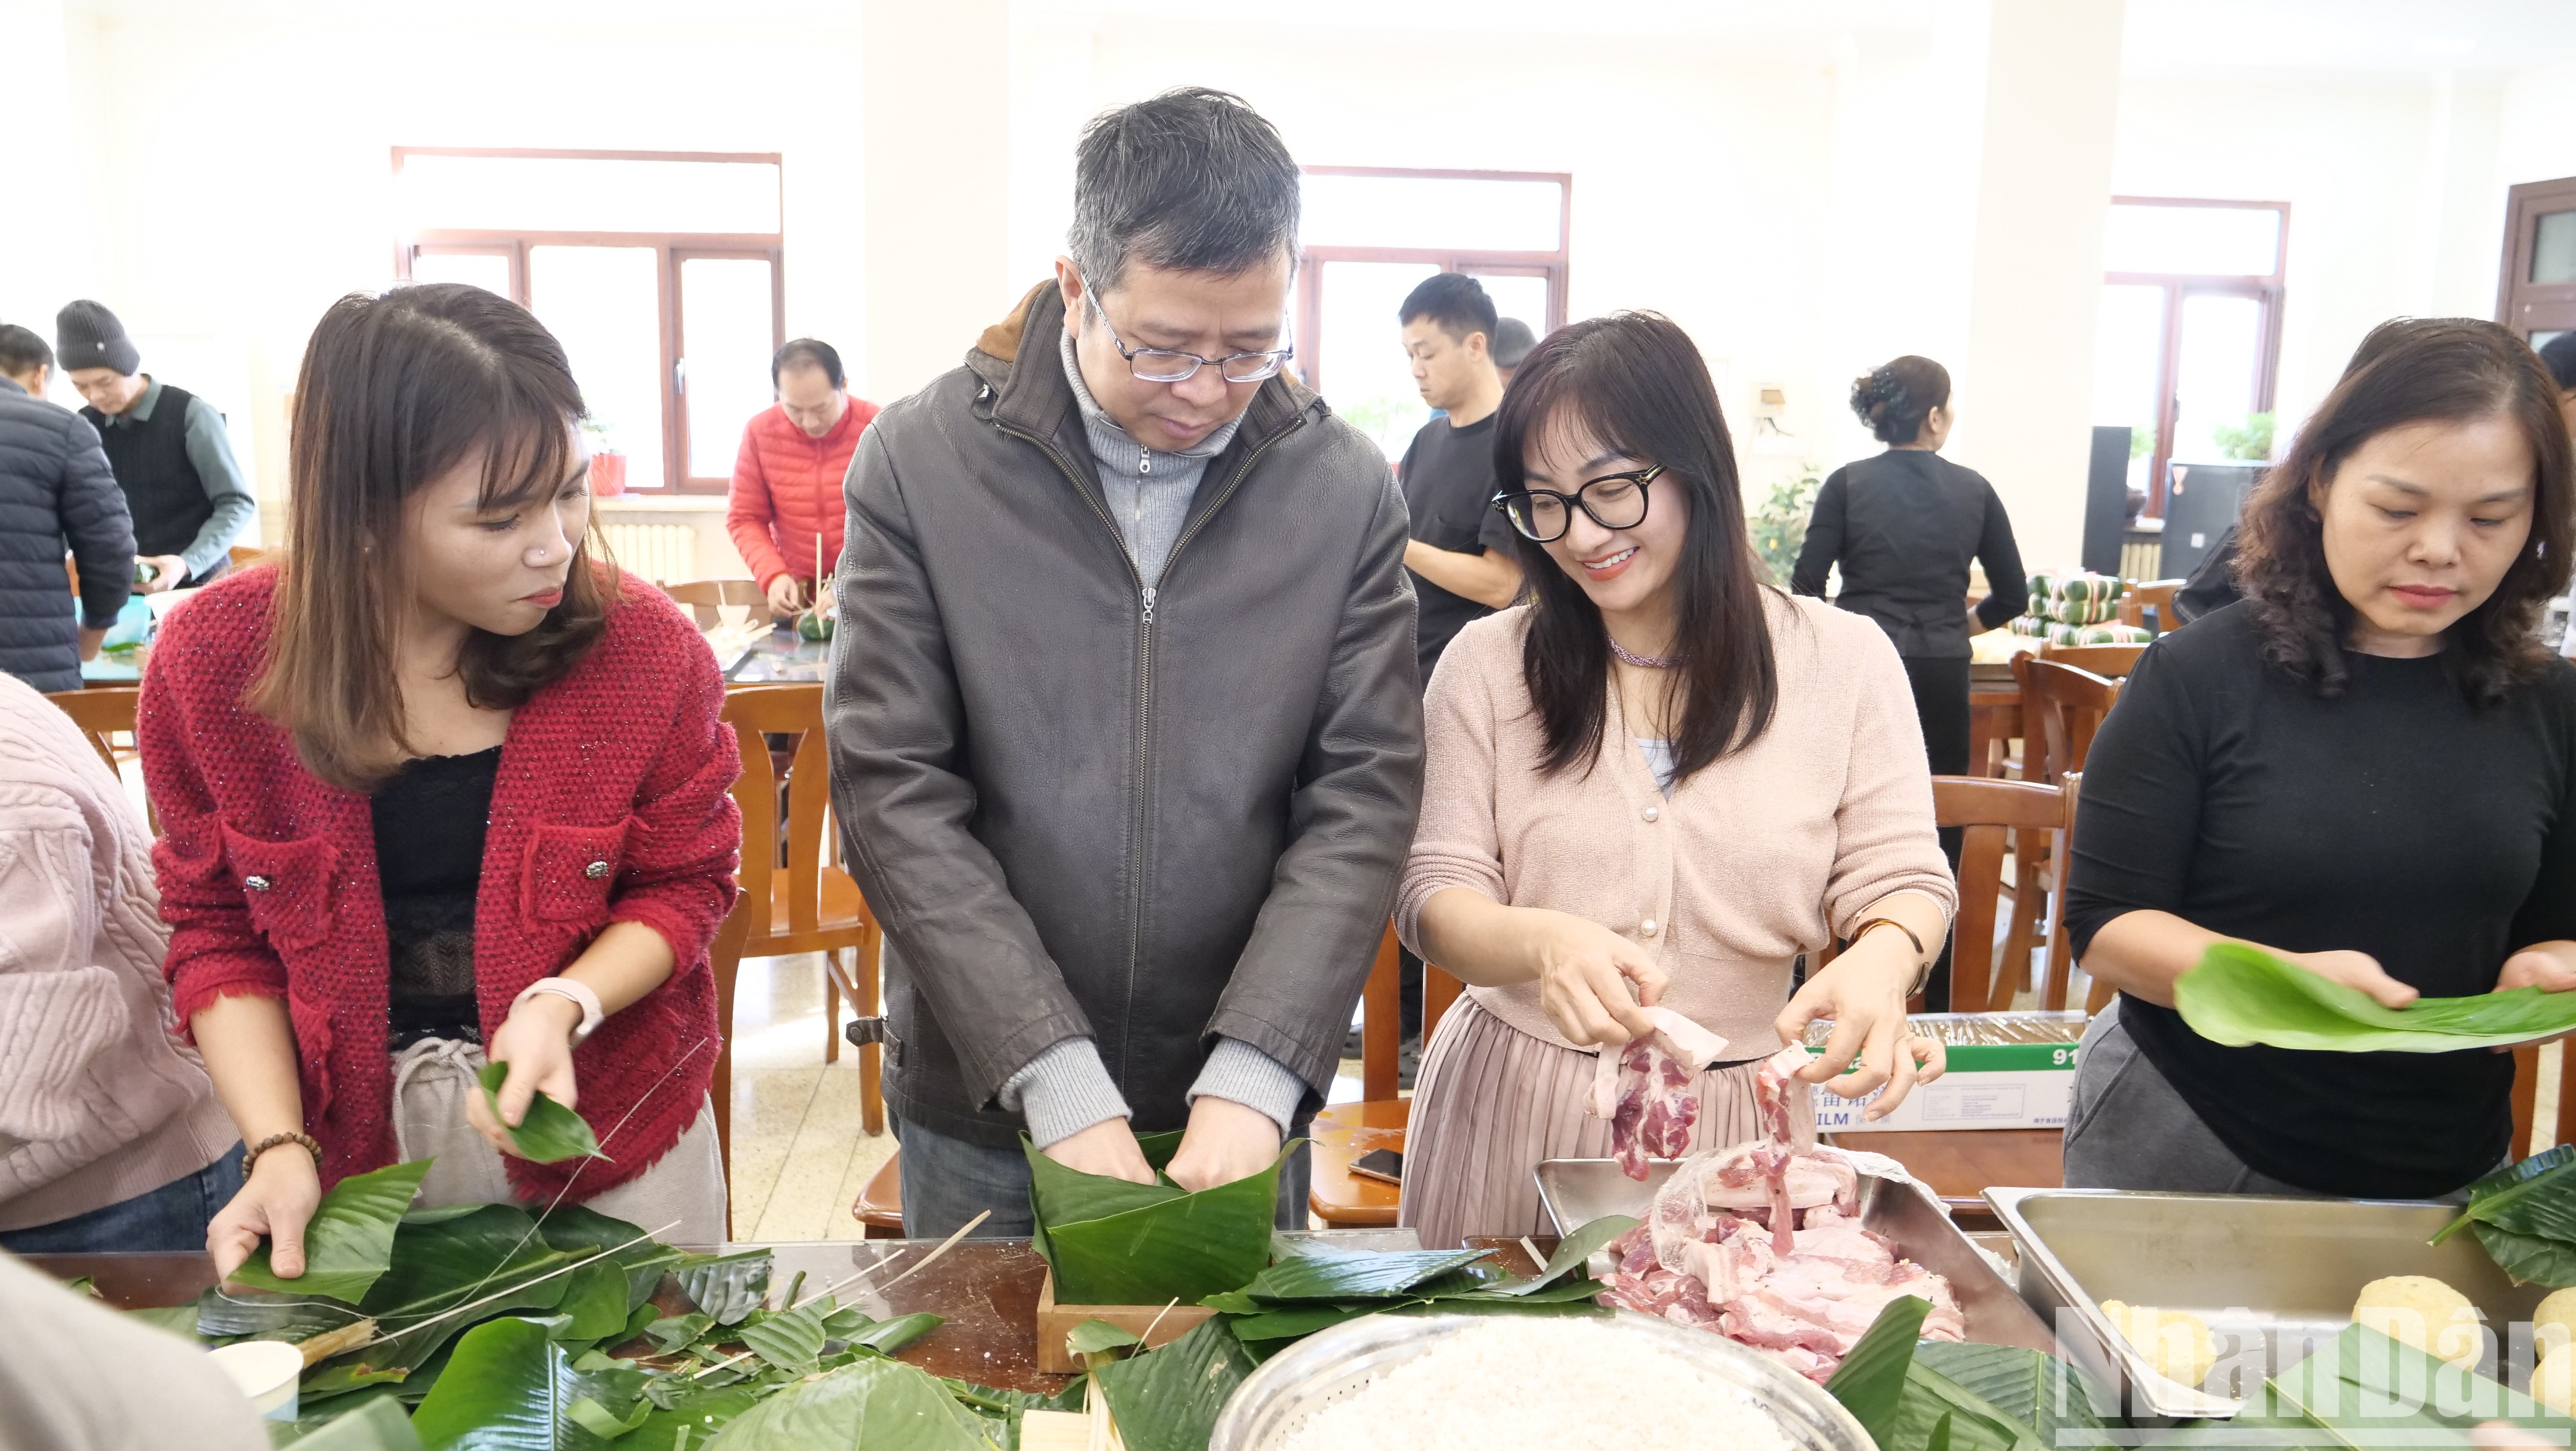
<point x="1541" y="1383"/>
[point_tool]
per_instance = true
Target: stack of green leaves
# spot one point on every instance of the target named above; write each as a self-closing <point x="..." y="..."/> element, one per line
<point x="2240" y="995"/>
<point x="1112" y="1242"/>
<point x="2363" y="1389"/>
<point x="1947" y="1395"/>
<point x="2525" y="1216"/>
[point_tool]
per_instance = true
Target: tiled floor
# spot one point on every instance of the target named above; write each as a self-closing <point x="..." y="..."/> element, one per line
<point x="799" y="1155"/>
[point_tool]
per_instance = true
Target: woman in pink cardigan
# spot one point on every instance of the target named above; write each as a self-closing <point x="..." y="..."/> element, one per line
<point x="110" y="1134"/>
<point x="1656" y="785"/>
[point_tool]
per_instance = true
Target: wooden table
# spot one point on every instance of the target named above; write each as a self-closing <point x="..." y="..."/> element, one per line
<point x="1959" y="1164"/>
<point x="1343" y="1133"/>
<point x="986" y="1289"/>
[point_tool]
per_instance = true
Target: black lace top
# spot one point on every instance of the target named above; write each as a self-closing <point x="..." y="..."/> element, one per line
<point x="429" y="822"/>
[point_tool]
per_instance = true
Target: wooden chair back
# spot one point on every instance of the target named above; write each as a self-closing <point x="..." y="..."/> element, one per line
<point x="2142" y="595"/>
<point x="2111" y="662"/>
<point x="2061" y="944"/>
<point x="1381" y="1022"/>
<point x="724" y="958"/>
<point x="248" y="554"/>
<point x="2061" y="708"/>
<point x="704" y="596"/>
<point x="104" y="715"/>
<point x="1989" y="811"/>
<point x="2526" y="1092"/>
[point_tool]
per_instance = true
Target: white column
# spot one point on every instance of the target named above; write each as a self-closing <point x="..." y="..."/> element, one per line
<point x="935" y="113"/>
<point x="47" y="255"/>
<point x="2043" y="188"/>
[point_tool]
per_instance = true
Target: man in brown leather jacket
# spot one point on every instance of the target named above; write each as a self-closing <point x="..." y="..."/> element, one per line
<point x="1126" y="730"/>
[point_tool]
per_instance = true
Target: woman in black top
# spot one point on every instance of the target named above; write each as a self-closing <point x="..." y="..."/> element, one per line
<point x="2367" y="767"/>
<point x="1904" y="526"/>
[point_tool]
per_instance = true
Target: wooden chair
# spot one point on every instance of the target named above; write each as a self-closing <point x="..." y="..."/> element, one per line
<point x="705" y="596"/>
<point x="2062" y="706"/>
<point x="879" y="1207"/>
<point x="2111" y="662"/>
<point x="2526" y="1088"/>
<point x="810" y="905"/>
<point x="2142" y="595"/>
<point x="248" y="554"/>
<point x="1990" y="811"/>
<point x="724" y="957"/>
<point x="104" y="715"/>
<point x="1344" y="1131"/>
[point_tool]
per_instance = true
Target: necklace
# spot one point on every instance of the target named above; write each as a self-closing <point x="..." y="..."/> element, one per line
<point x="1642" y="662"/>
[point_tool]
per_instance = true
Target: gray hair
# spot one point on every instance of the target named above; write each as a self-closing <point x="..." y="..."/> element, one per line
<point x="1193" y="180"/>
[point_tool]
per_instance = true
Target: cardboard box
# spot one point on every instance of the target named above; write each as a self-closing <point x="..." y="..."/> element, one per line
<point x="1988" y="1086"/>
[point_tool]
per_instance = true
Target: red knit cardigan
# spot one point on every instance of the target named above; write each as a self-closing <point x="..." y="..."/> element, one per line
<point x="787" y="489"/>
<point x="268" y="874"/>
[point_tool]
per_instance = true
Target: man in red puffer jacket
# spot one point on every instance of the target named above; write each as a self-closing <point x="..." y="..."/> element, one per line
<point x="787" y="480"/>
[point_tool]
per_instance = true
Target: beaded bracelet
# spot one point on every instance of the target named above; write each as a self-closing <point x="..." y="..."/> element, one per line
<point x="311" y="1146"/>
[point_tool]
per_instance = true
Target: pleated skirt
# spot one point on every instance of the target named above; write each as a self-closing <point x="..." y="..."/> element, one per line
<point x="1491" y="1102"/>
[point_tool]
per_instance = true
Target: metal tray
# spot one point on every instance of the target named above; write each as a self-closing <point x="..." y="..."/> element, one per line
<point x="2275" y="1278"/>
<point x="1275" y="1401"/>
<point x="1578" y="1191"/>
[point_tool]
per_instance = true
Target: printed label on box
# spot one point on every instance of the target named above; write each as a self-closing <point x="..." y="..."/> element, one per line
<point x="2015" y="1086"/>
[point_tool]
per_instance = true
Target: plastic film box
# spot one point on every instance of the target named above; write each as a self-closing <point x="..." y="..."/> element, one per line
<point x="2006" y="1071"/>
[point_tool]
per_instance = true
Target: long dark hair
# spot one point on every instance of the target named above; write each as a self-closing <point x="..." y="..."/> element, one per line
<point x="395" y="390"/>
<point x="1636" y="382"/>
<point x="1896" y="396"/>
<point x="2411" y="370"/>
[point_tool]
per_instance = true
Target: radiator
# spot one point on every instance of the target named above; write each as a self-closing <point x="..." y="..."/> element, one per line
<point x="663" y="553"/>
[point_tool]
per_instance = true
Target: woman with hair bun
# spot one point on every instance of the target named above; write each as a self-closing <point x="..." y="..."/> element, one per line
<point x="2368" y="767"/>
<point x="1904" y="526"/>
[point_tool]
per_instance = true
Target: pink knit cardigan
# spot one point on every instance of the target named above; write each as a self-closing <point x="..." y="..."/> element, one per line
<point x="99" y="1100"/>
<point x="1751" y="862"/>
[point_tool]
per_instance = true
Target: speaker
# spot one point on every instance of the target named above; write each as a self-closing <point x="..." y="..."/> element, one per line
<point x="2106" y="500"/>
<point x="2201" y="500"/>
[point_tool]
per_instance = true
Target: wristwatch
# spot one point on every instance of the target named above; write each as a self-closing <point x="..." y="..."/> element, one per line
<point x="578" y="993"/>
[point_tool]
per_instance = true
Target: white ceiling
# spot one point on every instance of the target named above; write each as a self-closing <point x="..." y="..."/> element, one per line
<point x="2393" y="37"/>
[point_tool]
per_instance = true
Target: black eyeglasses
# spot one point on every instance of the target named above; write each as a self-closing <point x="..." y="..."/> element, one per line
<point x="1615" y="501"/>
<point x="1165" y="365"/>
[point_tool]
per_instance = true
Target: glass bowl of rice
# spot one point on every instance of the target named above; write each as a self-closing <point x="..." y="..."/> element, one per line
<point x="1528" y="1382"/>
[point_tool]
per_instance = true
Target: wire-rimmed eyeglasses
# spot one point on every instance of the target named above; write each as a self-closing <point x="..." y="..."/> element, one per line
<point x="1615" y="501"/>
<point x="1167" y="365"/>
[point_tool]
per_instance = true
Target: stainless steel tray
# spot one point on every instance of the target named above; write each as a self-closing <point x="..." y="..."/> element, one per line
<point x="1276" y="1400"/>
<point x="1578" y="1191"/>
<point x="2275" y="1278"/>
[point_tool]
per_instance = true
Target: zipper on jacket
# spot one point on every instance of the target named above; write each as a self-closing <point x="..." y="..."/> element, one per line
<point x="1141" y="822"/>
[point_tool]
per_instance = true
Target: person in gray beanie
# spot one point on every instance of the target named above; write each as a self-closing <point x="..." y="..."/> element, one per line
<point x="173" y="460"/>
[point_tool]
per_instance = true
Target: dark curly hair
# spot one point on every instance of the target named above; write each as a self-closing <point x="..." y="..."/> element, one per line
<point x="2411" y="370"/>
<point x="1894" y="398"/>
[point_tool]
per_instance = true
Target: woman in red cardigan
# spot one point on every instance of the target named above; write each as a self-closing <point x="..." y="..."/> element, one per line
<point x="441" y="789"/>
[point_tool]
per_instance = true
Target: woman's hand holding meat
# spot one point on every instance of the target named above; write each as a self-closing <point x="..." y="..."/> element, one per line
<point x="536" y="1041"/>
<point x="1584" y="971"/>
<point x="1863" y="991"/>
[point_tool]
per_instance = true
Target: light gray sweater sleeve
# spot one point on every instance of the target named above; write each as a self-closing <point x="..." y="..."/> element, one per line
<point x="1062" y="1091"/>
<point x="210" y="449"/>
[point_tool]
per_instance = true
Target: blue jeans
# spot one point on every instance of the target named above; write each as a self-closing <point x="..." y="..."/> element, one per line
<point x="947" y="1182"/>
<point x="172" y="1217"/>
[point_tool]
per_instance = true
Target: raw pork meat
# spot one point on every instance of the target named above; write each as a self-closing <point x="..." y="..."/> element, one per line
<point x="1762" y="1243"/>
<point x="1647" y="1090"/>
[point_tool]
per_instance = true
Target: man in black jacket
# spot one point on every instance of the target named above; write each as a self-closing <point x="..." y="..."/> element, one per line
<point x="55" y="490"/>
<point x="1126" y="725"/>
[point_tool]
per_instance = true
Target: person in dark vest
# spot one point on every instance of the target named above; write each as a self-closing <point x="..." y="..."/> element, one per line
<point x="182" y="485"/>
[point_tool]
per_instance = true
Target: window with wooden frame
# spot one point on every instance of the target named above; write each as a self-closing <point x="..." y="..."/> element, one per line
<point x="2189" y="344"/>
<point x="1371" y="234"/>
<point x="2537" y="295"/>
<point x="660" y="272"/>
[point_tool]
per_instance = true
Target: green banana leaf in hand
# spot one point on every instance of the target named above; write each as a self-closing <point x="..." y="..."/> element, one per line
<point x="2240" y="995"/>
<point x="549" y="1134"/>
<point x="1111" y="1242"/>
<point x="350" y="1239"/>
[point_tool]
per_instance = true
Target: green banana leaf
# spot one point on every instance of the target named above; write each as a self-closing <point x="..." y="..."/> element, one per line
<point x="1094" y="1336"/>
<point x="1169" y="1399"/>
<point x="701" y="1413"/>
<point x="349" y="1241"/>
<point x="1571" y="1253"/>
<point x="2040" y="1392"/>
<point x="549" y="1134"/>
<point x="581" y="1228"/>
<point x="675" y="1333"/>
<point x="1111" y="1242"/>
<point x="1871" y="1380"/>
<point x="2240" y="995"/>
<point x="510" y="1387"/>
<point x="2534" y="1197"/>
<point x="1312" y="1270"/>
<point x="888" y="1336"/>
<point x="2362" y="1388"/>
<point x="2528" y="1258"/>
<point x="221" y="1314"/>
<point x="792" y="1340"/>
<point x="182" y="1319"/>
<point x="377" y="1424"/>
<point x="872" y="1402"/>
<point x="728" y="1286"/>
<point x="490" y="1258"/>
<point x="595" y="1298"/>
